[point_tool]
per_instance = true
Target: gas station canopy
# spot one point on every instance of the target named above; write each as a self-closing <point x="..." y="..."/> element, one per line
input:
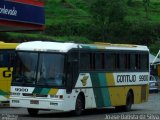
<point x="19" y="15"/>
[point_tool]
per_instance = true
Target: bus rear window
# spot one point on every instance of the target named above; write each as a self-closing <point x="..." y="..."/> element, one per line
<point x="6" y="57"/>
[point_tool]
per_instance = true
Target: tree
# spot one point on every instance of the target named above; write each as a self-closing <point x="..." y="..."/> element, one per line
<point x="100" y="11"/>
<point x="146" y="4"/>
<point x="105" y="12"/>
<point x="63" y="1"/>
<point x="117" y="11"/>
<point x="130" y="2"/>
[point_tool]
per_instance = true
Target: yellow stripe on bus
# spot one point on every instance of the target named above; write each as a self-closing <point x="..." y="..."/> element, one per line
<point x="110" y="79"/>
<point x="53" y="91"/>
<point x="117" y="96"/>
<point x="8" y="45"/>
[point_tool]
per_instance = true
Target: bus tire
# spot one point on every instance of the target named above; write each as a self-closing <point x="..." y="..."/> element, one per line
<point x="79" y="105"/>
<point x="33" y="112"/>
<point x="129" y="102"/>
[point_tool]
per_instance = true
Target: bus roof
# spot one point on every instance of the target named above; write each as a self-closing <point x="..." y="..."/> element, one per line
<point x="65" y="47"/>
<point x="4" y="45"/>
<point x="46" y="46"/>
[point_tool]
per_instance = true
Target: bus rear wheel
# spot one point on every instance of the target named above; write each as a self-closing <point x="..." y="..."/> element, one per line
<point x="33" y="112"/>
<point x="129" y="102"/>
<point x="79" y="106"/>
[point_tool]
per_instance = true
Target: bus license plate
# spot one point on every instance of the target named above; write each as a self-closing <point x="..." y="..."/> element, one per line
<point x="34" y="102"/>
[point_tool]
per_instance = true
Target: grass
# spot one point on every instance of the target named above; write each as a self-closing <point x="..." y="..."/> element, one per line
<point x="57" y="12"/>
<point x="137" y="11"/>
<point x="42" y="37"/>
<point x="78" y="11"/>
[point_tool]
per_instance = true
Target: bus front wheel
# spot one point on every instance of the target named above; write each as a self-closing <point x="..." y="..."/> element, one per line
<point x="32" y="112"/>
<point x="79" y="105"/>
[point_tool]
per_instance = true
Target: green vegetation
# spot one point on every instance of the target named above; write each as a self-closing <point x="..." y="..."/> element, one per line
<point x="76" y="20"/>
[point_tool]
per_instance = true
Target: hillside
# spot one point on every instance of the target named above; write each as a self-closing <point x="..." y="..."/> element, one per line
<point x="72" y="21"/>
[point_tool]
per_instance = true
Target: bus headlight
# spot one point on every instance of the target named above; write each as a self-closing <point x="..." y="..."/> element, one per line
<point x="57" y="96"/>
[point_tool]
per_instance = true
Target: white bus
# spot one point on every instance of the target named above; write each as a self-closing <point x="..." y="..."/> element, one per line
<point x="74" y="77"/>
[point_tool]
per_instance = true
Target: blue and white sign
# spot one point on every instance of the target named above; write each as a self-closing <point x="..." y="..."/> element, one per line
<point x="10" y="12"/>
<point x="22" y="12"/>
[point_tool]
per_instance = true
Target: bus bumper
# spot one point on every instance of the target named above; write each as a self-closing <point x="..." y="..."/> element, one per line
<point x="56" y="105"/>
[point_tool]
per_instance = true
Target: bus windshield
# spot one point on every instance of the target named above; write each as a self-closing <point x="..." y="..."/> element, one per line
<point x="39" y="69"/>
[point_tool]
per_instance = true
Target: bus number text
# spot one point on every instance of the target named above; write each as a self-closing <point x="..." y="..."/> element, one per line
<point x="21" y="89"/>
<point x="143" y="78"/>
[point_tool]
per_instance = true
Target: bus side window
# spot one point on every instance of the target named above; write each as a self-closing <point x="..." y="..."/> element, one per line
<point x="137" y="59"/>
<point x="85" y="61"/>
<point x="144" y="62"/>
<point x="99" y="61"/>
<point x="125" y="62"/>
<point x="128" y="61"/>
<point x="133" y="62"/>
<point x="117" y="61"/>
<point x="122" y="61"/>
<point x="1" y="59"/>
<point x="4" y="58"/>
<point x="110" y="61"/>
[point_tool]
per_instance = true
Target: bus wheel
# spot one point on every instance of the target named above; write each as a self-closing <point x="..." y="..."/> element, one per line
<point x="79" y="105"/>
<point x="129" y="102"/>
<point x="32" y="112"/>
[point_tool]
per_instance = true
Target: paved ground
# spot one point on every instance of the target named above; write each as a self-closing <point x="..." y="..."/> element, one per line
<point x="149" y="110"/>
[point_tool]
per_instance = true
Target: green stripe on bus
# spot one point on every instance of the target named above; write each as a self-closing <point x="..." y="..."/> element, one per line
<point x="37" y="90"/>
<point x="45" y="91"/>
<point x="84" y="46"/>
<point x="105" y="91"/>
<point x="89" y="47"/>
<point x="3" y="93"/>
<point x="93" y="47"/>
<point x="97" y="91"/>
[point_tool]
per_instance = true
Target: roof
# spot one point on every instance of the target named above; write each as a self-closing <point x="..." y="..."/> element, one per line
<point x="99" y="45"/>
<point x="46" y="46"/>
<point x="65" y="47"/>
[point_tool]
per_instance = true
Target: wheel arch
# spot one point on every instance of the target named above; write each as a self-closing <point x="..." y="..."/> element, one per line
<point x="132" y="93"/>
<point x="83" y="98"/>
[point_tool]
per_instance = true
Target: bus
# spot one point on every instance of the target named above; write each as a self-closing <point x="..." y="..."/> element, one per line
<point x="74" y="77"/>
<point x="7" y="50"/>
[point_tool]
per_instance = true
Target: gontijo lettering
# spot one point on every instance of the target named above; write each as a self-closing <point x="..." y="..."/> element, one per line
<point x="6" y="11"/>
<point x="126" y="78"/>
